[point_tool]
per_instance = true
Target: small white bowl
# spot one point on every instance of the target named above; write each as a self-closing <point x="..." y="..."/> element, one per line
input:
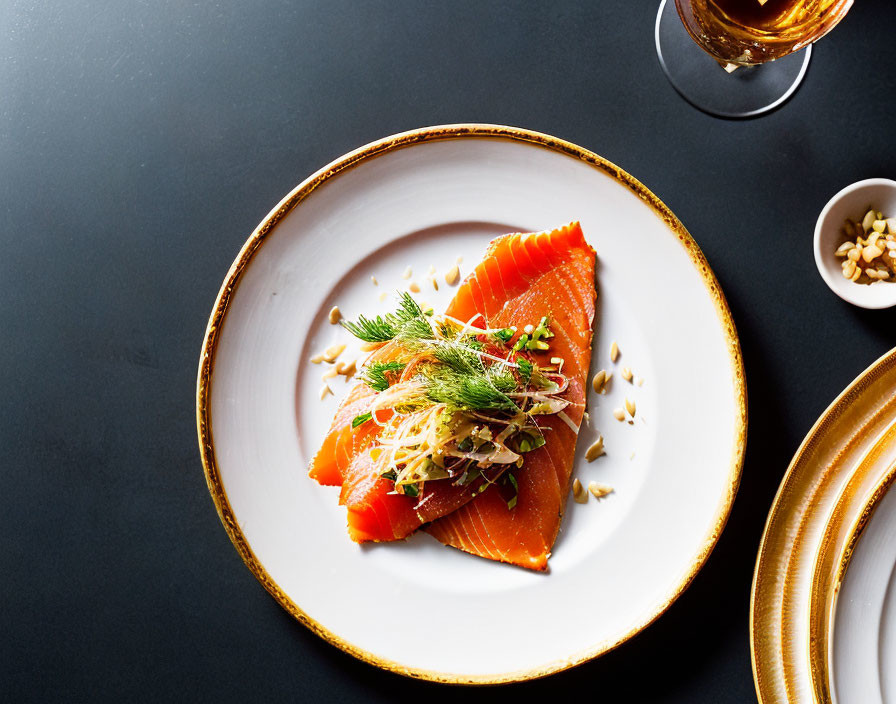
<point x="853" y="202"/>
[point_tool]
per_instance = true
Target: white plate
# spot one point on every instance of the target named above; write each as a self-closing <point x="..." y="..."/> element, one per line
<point x="424" y="198"/>
<point x="863" y="637"/>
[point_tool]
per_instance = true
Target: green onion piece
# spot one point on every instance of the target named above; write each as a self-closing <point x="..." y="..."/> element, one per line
<point x="504" y="335"/>
<point x="533" y="442"/>
<point x="363" y="418"/>
<point x="389" y="474"/>
<point x="511" y="503"/>
<point x="521" y="342"/>
<point x="410" y="490"/>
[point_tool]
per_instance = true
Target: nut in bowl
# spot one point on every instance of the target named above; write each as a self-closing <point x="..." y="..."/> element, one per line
<point x="864" y="215"/>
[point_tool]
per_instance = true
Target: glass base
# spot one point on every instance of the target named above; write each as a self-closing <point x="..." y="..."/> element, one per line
<point x="748" y="91"/>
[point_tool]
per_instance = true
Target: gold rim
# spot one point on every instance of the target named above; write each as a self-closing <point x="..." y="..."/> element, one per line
<point x="825" y="592"/>
<point x="301" y="192"/>
<point x="765" y="579"/>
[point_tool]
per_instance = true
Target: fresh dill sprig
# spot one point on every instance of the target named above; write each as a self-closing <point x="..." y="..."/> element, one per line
<point x="374" y="374"/>
<point x="461" y="359"/>
<point x="378" y="329"/>
<point x="467" y="391"/>
<point x="501" y="378"/>
<point x="408" y="322"/>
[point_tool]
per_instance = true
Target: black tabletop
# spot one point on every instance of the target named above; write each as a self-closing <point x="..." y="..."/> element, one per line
<point x="140" y="144"/>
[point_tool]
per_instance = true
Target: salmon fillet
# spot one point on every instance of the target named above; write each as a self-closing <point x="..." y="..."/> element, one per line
<point x="522" y="278"/>
<point x="374" y="512"/>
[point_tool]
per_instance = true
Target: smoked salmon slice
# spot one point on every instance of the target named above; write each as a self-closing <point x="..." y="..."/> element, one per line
<point x="522" y="278"/>
<point x="374" y="511"/>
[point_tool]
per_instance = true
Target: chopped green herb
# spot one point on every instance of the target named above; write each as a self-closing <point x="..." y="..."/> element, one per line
<point x="374" y="374"/>
<point x="389" y="474"/>
<point x="363" y="418"/>
<point x="504" y="335"/>
<point x="511" y="502"/>
<point x="525" y="369"/>
<point x="410" y="490"/>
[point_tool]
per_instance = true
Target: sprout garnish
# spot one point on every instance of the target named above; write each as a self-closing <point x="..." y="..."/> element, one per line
<point x="463" y="402"/>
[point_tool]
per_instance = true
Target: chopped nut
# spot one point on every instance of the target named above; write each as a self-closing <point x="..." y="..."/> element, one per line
<point x="317" y="359"/>
<point x="614" y="351"/>
<point x="870" y="252"/>
<point x="869" y="218"/>
<point x="630" y="407"/>
<point x="453" y="276"/>
<point x="599" y="382"/>
<point x="331" y="353"/>
<point x="435" y="284"/>
<point x="864" y="262"/>
<point x="578" y="492"/>
<point x="599" y="490"/>
<point x="408" y="273"/>
<point x="325" y="391"/>
<point x="626" y="374"/>
<point x="596" y="449"/>
<point x="619" y="414"/>
<point x="347" y="370"/>
<point x="844" y="248"/>
<point x="640" y="381"/>
<point x="370" y="346"/>
<point x="375" y="282"/>
<point x="335" y="315"/>
<point x="330" y="373"/>
<point x="414" y="287"/>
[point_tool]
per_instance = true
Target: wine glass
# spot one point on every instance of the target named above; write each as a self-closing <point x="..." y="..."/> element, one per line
<point x="761" y="39"/>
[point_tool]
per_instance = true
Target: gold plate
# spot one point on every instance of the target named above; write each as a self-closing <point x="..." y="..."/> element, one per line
<point x="842" y="456"/>
<point x="860" y="496"/>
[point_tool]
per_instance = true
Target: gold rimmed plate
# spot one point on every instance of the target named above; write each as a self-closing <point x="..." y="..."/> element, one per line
<point x="840" y="459"/>
<point x="423" y="200"/>
<point x="862" y="636"/>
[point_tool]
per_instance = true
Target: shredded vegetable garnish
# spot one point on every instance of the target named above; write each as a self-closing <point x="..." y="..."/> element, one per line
<point x="456" y="402"/>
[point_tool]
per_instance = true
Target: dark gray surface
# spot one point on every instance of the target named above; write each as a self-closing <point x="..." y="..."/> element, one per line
<point x="141" y="142"/>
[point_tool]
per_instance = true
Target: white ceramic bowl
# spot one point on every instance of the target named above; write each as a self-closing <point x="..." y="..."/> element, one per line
<point x="853" y="202"/>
